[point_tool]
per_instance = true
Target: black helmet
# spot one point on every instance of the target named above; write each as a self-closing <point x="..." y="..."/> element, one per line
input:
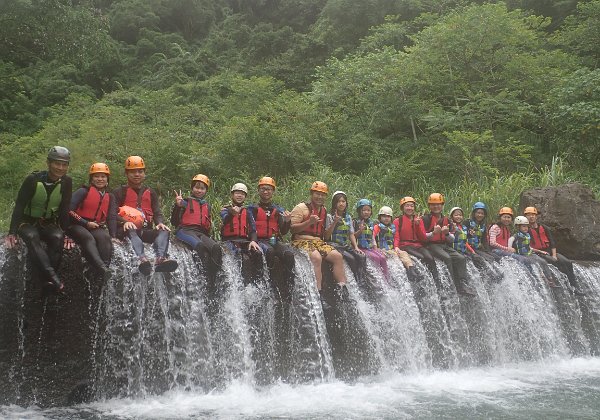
<point x="59" y="153"/>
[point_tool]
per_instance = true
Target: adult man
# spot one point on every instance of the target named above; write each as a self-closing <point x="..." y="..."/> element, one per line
<point x="308" y="226"/>
<point x="41" y="210"/>
<point x="150" y="229"/>
<point x="542" y="240"/>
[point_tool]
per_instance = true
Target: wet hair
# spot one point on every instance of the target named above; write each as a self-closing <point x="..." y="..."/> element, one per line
<point x="334" y="202"/>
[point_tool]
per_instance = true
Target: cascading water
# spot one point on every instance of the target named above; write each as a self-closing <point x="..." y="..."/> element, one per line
<point x="190" y="333"/>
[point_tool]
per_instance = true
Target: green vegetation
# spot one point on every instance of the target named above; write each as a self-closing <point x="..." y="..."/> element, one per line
<point x="379" y="98"/>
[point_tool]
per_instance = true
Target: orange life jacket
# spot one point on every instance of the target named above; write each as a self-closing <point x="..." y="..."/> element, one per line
<point x="94" y="207"/>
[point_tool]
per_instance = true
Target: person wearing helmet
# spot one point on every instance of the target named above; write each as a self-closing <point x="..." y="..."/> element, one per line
<point x="41" y="210"/>
<point x="384" y="233"/>
<point x="363" y="231"/>
<point x="238" y="231"/>
<point x="411" y="236"/>
<point x="438" y="227"/>
<point x="272" y="222"/>
<point x="542" y="239"/>
<point x="94" y="219"/>
<point x="308" y="229"/>
<point x="499" y="233"/>
<point x="339" y="232"/>
<point x="477" y="232"/>
<point x="521" y="243"/>
<point x="191" y="216"/>
<point x="151" y="229"/>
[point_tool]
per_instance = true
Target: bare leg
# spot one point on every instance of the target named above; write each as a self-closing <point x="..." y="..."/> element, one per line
<point x="316" y="259"/>
<point x="337" y="261"/>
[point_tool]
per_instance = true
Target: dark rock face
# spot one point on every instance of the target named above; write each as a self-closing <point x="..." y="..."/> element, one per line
<point x="573" y="214"/>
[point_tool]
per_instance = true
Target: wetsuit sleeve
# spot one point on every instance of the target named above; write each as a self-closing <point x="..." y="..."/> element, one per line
<point x="119" y="198"/>
<point x="396" y="224"/>
<point x="111" y="218"/>
<point x="550" y="237"/>
<point x="24" y="196"/>
<point x="177" y="212"/>
<point x="65" y="202"/>
<point x="284" y="227"/>
<point x="76" y="201"/>
<point x="420" y="229"/>
<point x="158" y="216"/>
<point x="251" y="226"/>
<point x="225" y="214"/>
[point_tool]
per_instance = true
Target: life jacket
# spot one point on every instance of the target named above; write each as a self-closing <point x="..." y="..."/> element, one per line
<point x="196" y="214"/>
<point x="94" y="207"/>
<point x="42" y="206"/>
<point x="522" y="243"/>
<point x="479" y="230"/>
<point x="365" y="236"/>
<point x="407" y="235"/>
<point x="430" y="220"/>
<point x="539" y="238"/>
<point x="318" y="229"/>
<point x="502" y="238"/>
<point x="267" y="221"/>
<point x="236" y="226"/>
<point x="460" y="238"/>
<point x="385" y="236"/>
<point x="341" y="231"/>
<point x="141" y="200"/>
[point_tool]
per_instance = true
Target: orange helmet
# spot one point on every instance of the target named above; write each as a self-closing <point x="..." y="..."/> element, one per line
<point x="134" y="162"/>
<point x="505" y="210"/>
<point x="99" y="168"/>
<point x="202" y="178"/>
<point x="320" y="187"/>
<point x="530" y="210"/>
<point x="267" y="180"/>
<point x="436" y="198"/>
<point x="405" y="200"/>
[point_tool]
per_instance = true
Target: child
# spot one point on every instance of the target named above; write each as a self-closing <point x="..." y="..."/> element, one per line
<point x="477" y="231"/>
<point x="339" y="232"/>
<point x="136" y="196"/>
<point x="521" y="243"/>
<point x="94" y="216"/>
<point x="385" y="232"/>
<point x="192" y="218"/>
<point x="363" y="231"/>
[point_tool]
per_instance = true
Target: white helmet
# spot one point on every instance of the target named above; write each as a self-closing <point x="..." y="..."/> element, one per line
<point x="521" y="220"/>
<point x="454" y="209"/>
<point x="386" y="211"/>
<point x="240" y="187"/>
<point x="339" y="192"/>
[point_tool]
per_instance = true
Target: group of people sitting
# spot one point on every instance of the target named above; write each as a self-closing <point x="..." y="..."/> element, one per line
<point x="94" y="218"/>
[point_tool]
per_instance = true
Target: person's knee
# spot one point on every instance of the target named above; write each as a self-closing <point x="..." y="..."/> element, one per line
<point x="29" y="235"/>
<point x="316" y="258"/>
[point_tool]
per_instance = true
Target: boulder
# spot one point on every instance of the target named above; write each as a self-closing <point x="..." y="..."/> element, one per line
<point x="573" y="215"/>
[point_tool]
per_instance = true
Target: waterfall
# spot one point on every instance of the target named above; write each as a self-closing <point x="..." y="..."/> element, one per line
<point x="198" y="331"/>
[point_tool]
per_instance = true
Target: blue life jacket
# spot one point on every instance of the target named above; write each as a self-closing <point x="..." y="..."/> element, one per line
<point x="341" y="232"/>
<point x="460" y="238"/>
<point x="365" y="237"/>
<point x="522" y="243"/>
<point x="385" y="237"/>
<point x="476" y="241"/>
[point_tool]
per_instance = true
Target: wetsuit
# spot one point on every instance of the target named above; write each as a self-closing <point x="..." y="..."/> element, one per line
<point x="542" y="239"/>
<point x="270" y="227"/>
<point x="43" y="221"/>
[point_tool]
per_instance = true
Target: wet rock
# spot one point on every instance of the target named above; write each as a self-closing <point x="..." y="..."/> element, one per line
<point x="573" y="214"/>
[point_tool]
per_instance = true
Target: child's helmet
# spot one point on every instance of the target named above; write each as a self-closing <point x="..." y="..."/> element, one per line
<point x="480" y="205"/>
<point x="385" y="211"/>
<point x="363" y="202"/>
<point x="240" y="187"/>
<point x="521" y="220"/>
<point x="454" y="209"/>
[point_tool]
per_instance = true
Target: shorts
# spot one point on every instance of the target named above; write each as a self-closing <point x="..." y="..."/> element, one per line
<point x="311" y="245"/>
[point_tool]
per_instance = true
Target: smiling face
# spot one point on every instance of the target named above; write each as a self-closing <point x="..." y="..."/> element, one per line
<point x="408" y="208"/>
<point x="135" y="177"/>
<point x="524" y="228"/>
<point x="57" y="169"/>
<point x="99" y="180"/>
<point x="341" y="205"/>
<point x="199" y="189"/>
<point x="436" y="208"/>
<point x="457" y="216"/>
<point x="365" y="212"/>
<point x="317" y="198"/>
<point x="506" y="219"/>
<point x="238" y="198"/>
<point x="532" y="217"/>
<point x="265" y="192"/>
<point x="479" y="215"/>
<point x="385" y="219"/>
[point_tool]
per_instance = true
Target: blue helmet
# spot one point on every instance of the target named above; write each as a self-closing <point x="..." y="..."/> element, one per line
<point x="364" y="202"/>
<point x="480" y="205"/>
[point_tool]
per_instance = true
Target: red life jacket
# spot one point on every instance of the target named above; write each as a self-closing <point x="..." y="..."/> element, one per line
<point x="406" y="234"/>
<point x="197" y="215"/>
<point x="94" y="206"/>
<point x="236" y="226"/>
<point x="266" y="225"/>
<point x="437" y="238"/>
<point x="141" y="201"/>
<point x="539" y="238"/>
<point x="503" y="237"/>
<point x="318" y="229"/>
